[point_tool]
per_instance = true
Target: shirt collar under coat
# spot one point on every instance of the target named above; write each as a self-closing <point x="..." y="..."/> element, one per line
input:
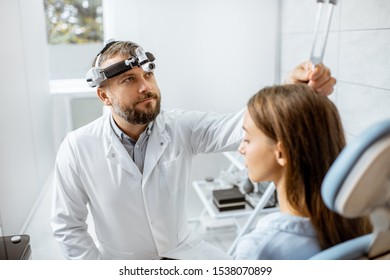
<point x="157" y="143"/>
<point x="122" y="136"/>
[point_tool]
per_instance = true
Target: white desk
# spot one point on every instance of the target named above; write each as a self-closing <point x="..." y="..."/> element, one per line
<point x="204" y="191"/>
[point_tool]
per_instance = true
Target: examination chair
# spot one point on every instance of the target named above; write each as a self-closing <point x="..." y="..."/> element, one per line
<point x="356" y="185"/>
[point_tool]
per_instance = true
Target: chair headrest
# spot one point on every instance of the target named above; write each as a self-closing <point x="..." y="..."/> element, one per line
<point x="359" y="179"/>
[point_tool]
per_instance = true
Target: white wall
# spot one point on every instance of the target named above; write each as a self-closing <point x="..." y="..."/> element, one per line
<point x="26" y="142"/>
<point x="210" y="55"/>
<point x="358" y="53"/>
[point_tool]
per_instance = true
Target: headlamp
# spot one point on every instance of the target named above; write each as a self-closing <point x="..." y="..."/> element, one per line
<point x="96" y="75"/>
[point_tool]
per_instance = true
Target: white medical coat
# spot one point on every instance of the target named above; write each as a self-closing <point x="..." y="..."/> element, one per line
<point x="136" y="216"/>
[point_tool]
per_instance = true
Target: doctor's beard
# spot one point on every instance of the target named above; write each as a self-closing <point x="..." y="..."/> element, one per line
<point x="135" y="116"/>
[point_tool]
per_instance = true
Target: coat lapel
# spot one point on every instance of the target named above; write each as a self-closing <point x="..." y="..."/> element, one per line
<point x="158" y="142"/>
<point x="117" y="154"/>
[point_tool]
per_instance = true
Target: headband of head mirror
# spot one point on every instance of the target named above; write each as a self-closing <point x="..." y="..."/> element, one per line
<point x="138" y="58"/>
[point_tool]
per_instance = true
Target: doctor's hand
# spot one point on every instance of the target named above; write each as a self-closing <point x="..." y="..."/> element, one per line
<point x="319" y="78"/>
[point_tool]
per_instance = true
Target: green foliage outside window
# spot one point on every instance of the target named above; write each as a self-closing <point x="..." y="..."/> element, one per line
<point x="74" y="21"/>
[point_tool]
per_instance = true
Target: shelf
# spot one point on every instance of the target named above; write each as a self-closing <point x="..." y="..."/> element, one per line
<point x="76" y="88"/>
<point x="204" y="191"/>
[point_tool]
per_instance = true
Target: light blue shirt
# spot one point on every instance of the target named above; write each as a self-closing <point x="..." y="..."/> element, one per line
<point x="279" y="236"/>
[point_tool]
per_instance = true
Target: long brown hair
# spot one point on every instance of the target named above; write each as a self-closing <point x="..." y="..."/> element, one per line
<point x="309" y="127"/>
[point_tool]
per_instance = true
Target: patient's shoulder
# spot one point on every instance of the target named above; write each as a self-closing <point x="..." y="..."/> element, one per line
<point x="287" y="223"/>
<point x="284" y="236"/>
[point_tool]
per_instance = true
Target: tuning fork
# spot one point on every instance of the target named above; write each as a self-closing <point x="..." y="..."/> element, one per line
<point x="323" y="19"/>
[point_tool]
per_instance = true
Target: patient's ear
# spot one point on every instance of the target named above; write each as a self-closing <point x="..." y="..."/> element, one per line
<point x="102" y="93"/>
<point x="280" y="154"/>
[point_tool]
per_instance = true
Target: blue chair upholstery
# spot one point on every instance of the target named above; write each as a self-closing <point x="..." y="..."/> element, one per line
<point x="350" y="250"/>
<point x="358" y="184"/>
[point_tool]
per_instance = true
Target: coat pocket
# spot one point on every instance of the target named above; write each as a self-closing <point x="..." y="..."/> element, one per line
<point x="173" y="173"/>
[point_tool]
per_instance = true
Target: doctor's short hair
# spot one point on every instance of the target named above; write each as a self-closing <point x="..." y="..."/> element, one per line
<point x="122" y="48"/>
<point x="308" y="126"/>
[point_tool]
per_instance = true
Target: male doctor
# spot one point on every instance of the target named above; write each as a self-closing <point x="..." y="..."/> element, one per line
<point x="132" y="166"/>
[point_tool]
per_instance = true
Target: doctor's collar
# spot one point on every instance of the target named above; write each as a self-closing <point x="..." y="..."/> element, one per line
<point x="121" y="135"/>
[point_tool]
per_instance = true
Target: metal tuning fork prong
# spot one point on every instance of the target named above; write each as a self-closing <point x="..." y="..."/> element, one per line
<point x="323" y="19"/>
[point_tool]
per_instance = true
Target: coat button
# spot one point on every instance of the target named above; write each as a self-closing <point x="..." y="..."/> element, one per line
<point x="112" y="155"/>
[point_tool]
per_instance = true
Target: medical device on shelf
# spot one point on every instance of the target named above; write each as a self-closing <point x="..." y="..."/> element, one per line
<point x="253" y="200"/>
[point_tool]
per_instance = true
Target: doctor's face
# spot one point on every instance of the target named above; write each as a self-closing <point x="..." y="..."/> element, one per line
<point x="260" y="153"/>
<point x="133" y="95"/>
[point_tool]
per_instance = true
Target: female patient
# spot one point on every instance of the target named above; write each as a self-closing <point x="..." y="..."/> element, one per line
<point x="292" y="136"/>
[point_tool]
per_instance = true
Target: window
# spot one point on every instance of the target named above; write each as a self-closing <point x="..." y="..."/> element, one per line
<point x="74" y="21"/>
